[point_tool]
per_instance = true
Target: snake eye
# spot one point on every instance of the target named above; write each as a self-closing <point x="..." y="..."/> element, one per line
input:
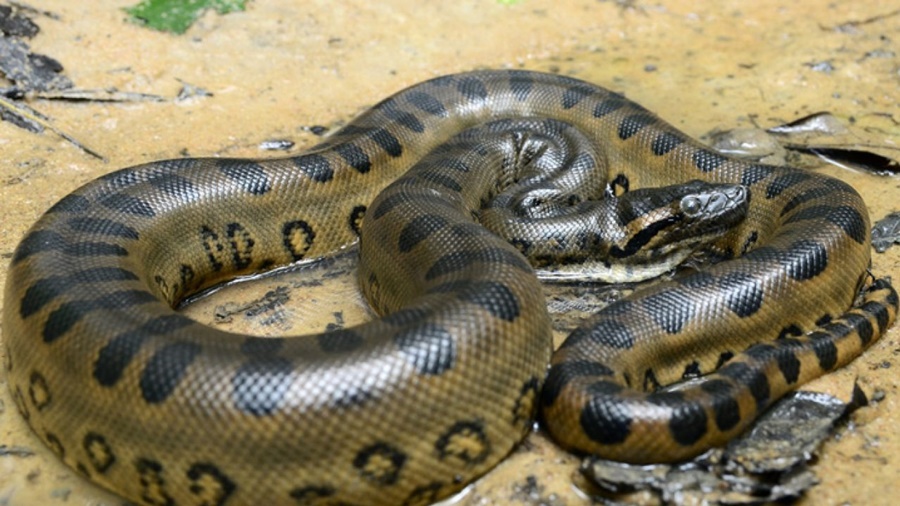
<point x="691" y="206"/>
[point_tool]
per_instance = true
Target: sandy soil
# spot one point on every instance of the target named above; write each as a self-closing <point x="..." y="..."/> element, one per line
<point x="282" y="66"/>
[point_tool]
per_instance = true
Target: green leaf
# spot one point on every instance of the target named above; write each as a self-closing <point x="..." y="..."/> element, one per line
<point x="176" y="16"/>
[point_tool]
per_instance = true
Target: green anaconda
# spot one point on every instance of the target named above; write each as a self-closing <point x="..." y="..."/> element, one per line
<point x="412" y="406"/>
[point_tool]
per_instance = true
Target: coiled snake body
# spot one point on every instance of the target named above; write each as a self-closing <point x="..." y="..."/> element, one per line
<point x="410" y="407"/>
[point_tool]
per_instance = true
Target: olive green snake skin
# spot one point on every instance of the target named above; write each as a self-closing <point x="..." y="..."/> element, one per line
<point x="411" y="407"/>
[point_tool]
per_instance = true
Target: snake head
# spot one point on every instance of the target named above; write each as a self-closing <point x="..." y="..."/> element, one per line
<point x="677" y="220"/>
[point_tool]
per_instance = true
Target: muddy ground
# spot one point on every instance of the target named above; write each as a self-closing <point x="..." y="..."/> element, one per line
<point x="283" y="67"/>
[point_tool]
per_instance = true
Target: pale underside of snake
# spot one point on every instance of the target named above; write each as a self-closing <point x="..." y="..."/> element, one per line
<point x="410" y="407"/>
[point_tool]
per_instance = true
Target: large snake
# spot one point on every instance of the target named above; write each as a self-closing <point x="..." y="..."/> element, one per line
<point x="410" y="407"/>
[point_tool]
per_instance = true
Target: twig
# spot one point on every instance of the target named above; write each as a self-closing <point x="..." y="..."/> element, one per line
<point x="28" y="114"/>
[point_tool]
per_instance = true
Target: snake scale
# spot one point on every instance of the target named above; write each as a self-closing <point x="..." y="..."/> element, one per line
<point x="412" y="406"/>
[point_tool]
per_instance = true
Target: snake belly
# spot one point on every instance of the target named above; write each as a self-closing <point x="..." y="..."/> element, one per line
<point x="410" y="407"/>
